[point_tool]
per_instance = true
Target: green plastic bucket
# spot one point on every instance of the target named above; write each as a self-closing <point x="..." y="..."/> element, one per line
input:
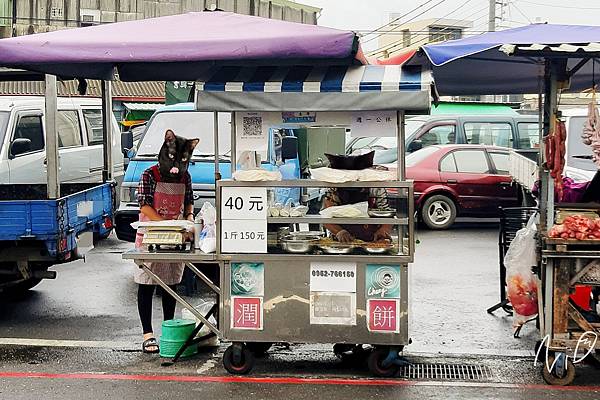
<point x="174" y="334"/>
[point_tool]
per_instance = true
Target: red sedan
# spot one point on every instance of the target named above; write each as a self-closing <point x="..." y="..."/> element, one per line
<point x="460" y="181"/>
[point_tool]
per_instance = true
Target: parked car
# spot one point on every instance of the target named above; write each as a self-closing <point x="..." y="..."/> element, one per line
<point x="520" y="132"/>
<point x="460" y="181"/>
<point x="79" y="126"/>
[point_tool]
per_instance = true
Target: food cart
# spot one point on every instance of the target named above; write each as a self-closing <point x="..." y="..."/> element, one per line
<point x="544" y="59"/>
<point x="322" y="291"/>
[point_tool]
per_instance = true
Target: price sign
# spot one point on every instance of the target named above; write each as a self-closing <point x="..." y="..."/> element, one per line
<point x="333" y="277"/>
<point x="243" y="203"/>
<point x="244" y="236"/>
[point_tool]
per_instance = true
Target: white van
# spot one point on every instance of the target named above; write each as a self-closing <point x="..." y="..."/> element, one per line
<point x="79" y="126"/>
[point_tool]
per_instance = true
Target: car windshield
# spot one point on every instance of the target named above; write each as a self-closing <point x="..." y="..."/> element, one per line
<point x="579" y="155"/>
<point x="364" y="144"/>
<point x="3" y="123"/>
<point x="188" y="124"/>
<point x="419" y="155"/>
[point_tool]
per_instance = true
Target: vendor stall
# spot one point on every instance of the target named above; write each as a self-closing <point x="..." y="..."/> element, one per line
<point x="280" y="282"/>
<point x="548" y="59"/>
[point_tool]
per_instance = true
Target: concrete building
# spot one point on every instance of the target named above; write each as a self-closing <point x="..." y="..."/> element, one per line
<point x="397" y="38"/>
<point x="20" y="17"/>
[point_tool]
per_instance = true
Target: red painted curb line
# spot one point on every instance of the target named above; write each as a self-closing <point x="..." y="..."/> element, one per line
<point x="287" y="380"/>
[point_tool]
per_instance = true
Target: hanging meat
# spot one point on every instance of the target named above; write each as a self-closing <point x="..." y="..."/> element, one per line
<point x="555" y="154"/>
<point x="591" y="130"/>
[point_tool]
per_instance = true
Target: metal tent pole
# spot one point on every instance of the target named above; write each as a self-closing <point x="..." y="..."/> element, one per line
<point x="107" y="131"/>
<point x="401" y="165"/>
<point x="233" y="145"/>
<point x="551" y="74"/>
<point x="52" y="160"/>
<point x="216" y="143"/>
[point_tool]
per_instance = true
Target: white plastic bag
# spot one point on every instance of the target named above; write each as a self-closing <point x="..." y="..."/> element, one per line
<point x="203" y="308"/>
<point x="521" y="283"/>
<point x="356" y="210"/>
<point x="208" y="236"/>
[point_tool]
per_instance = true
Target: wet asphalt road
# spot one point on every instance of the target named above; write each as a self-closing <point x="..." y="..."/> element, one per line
<point x="90" y="318"/>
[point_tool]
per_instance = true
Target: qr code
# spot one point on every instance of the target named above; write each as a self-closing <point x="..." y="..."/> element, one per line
<point x="252" y="126"/>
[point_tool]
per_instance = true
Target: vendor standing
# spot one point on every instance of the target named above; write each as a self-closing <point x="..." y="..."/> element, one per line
<point x="164" y="193"/>
<point x="376" y="198"/>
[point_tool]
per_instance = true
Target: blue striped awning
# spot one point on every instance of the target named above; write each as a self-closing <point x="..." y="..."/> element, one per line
<point x="315" y="79"/>
<point x="318" y="88"/>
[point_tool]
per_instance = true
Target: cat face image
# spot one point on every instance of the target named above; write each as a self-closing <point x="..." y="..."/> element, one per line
<point x="174" y="156"/>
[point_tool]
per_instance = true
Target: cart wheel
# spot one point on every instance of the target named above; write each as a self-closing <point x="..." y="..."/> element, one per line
<point x="259" y="349"/>
<point x="375" y="363"/>
<point x="340" y="348"/>
<point x="241" y="367"/>
<point x="553" y="378"/>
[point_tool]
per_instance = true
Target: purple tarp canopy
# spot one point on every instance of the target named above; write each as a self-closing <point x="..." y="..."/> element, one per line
<point x="179" y="47"/>
<point x="477" y="65"/>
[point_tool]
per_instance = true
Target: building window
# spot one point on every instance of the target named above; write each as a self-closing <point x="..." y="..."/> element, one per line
<point x="442" y="33"/>
<point x="406" y="38"/>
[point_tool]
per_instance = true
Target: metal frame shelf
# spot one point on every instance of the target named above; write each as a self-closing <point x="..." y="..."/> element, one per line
<point x="316" y="219"/>
<point x="309" y="183"/>
<point x="378" y="258"/>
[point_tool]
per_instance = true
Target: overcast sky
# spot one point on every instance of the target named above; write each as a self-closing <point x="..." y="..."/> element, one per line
<point x="367" y="15"/>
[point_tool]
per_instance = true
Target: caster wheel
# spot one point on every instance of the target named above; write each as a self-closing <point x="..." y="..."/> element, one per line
<point x="259" y="349"/>
<point x="241" y="366"/>
<point x="552" y="378"/>
<point x="340" y="348"/>
<point x="375" y="363"/>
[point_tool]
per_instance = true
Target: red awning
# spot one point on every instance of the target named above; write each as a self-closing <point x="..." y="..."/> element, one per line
<point x="397" y="59"/>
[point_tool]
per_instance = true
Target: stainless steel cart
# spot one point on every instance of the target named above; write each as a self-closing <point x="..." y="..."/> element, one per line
<point x="268" y="296"/>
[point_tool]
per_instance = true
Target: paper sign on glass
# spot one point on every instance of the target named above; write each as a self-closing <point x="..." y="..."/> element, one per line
<point x="243" y="236"/>
<point x="243" y="203"/>
<point x="374" y="124"/>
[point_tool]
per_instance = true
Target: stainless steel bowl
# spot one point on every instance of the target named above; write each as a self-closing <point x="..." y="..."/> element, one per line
<point x="291" y="244"/>
<point x="381" y="213"/>
<point x="336" y="248"/>
<point x="306" y="234"/>
<point x="377" y="250"/>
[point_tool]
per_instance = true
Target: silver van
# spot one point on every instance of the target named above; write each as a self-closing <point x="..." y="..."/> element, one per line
<point x="79" y="127"/>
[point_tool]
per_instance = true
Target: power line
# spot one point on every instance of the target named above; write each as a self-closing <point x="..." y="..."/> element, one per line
<point x="558" y="6"/>
<point x="409" y="20"/>
<point x="397" y="43"/>
<point x="412" y="31"/>
<point x="396" y="19"/>
<point x="514" y="5"/>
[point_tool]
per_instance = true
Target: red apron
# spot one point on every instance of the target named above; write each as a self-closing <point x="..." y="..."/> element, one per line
<point x="168" y="203"/>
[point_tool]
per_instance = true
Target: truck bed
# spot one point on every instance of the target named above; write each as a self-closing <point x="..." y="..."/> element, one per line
<point x="26" y="215"/>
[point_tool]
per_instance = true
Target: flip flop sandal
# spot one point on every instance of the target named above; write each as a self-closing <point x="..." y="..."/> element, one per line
<point x="150" y="343"/>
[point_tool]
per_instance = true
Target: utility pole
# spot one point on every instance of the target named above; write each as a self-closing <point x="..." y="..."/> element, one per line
<point x="492" y="16"/>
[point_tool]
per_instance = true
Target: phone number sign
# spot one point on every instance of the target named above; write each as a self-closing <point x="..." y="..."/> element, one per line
<point x="333" y="277"/>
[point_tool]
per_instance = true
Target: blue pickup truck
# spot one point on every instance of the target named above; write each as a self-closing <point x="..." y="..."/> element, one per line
<point x="36" y="233"/>
<point x="185" y="121"/>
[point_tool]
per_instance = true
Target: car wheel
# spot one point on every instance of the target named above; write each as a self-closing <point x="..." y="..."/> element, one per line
<point x="438" y="212"/>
